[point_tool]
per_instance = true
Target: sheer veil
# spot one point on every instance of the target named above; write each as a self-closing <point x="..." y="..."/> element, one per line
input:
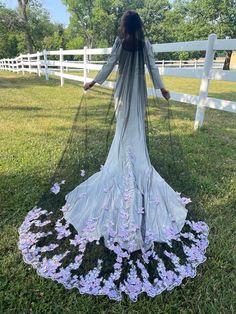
<point x="81" y="259"/>
<point x="163" y="136"/>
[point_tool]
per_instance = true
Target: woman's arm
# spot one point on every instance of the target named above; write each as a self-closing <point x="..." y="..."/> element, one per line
<point x="152" y="67"/>
<point x="154" y="71"/>
<point x="107" y="67"/>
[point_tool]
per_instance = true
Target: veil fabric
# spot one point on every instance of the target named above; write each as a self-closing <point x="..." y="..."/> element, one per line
<point x="123" y="228"/>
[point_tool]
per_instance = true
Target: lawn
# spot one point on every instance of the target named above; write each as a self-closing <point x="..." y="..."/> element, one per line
<point x="42" y="138"/>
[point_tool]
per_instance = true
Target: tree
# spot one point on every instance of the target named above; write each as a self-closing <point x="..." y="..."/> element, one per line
<point x="81" y="18"/>
<point x="23" y="14"/>
<point x="9" y="26"/>
<point x="199" y="18"/>
<point x="40" y="24"/>
<point x="56" y="40"/>
<point x="96" y="21"/>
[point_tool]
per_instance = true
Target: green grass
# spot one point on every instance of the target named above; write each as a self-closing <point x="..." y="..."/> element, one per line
<point x="36" y="120"/>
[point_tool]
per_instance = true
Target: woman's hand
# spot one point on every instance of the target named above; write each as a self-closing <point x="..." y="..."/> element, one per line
<point x="89" y="85"/>
<point x="165" y="93"/>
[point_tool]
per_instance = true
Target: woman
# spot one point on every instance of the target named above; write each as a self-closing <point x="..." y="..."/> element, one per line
<point x="127" y="204"/>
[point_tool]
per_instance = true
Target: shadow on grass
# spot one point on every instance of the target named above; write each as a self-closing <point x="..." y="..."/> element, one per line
<point x="23" y="108"/>
<point x="168" y="160"/>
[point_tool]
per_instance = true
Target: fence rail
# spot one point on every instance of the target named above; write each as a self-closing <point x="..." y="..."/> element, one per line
<point x="206" y="70"/>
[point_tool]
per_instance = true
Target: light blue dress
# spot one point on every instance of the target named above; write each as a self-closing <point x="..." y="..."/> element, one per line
<point x="128" y="182"/>
<point x="149" y="245"/>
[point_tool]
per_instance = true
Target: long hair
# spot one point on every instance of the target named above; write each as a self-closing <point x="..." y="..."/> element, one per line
<point x="132" y="37"/>
<point x="131" y="25"/>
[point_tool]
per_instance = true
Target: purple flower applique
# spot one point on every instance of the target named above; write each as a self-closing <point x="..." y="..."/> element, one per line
<point x="39" y="223"/>
<point x="146" y="255"/>
<point x="91" y="282"/>
<point x="77" y="262"/>
<point x="200" y="226"/>
<point x="48" y="267"/>
<point x="140" y="210"/>
<point x="56" y="187"/>
<point x="49" y="247"/>
<point x="143" y="269"/>
<point x="127" y="196"/>
<point x="64" y="208"/>
<point x="185" y="200"/>
<point x="170" y="235"/>
<point x="133" y="285"/>
<point x="156" y="200"/>
<point x="82" y="172"/>
<point x="62" y="230"/>
<point x="194" y="253"/>
<point x="77" y="240"/>
<point x="108" y="188"/>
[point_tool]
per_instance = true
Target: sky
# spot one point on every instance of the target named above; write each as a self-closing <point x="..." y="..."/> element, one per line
<point x="56" y="9"/>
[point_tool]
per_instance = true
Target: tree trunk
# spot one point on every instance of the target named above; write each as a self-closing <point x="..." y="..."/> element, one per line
<point x="28" y="39"/>
<point x="227" y="60"/>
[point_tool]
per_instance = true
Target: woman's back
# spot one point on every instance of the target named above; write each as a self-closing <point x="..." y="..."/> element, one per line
<point x="132" y="44"/>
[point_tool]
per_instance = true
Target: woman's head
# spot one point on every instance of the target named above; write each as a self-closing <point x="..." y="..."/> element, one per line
<point x="131" y="25"/>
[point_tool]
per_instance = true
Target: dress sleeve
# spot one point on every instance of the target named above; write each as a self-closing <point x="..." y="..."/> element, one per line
<point x="152" y="67"/>
<point x="109" y="65"/>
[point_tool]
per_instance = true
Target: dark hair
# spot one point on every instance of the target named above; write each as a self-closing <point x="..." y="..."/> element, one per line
<point x="131" y="25"/>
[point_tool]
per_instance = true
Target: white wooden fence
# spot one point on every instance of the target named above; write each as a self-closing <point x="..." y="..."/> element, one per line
<point x="39" y="63"/>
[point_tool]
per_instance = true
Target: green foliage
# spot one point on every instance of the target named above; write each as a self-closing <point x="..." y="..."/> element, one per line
<point x="94" y="23"/>
<point x="40" y="25"/>
<point x="55" y="40"/>
<point x="12" y="38"/>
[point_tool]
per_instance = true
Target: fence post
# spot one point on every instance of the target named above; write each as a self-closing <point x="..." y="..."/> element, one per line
<point x="22" y="64"/>
<point x="29" y="63"/>
<point x="61" y="65"/>
<point x="45" y="64"/>
<point x="17" y="65"/>
<point x="38" y="63"/>
<point x="209" y="57"/>
<point x="85" y="64"/>
<point x="180" y="63"/>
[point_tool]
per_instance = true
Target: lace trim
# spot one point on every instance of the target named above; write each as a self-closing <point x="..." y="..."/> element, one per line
<point x="192" y="244"/>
